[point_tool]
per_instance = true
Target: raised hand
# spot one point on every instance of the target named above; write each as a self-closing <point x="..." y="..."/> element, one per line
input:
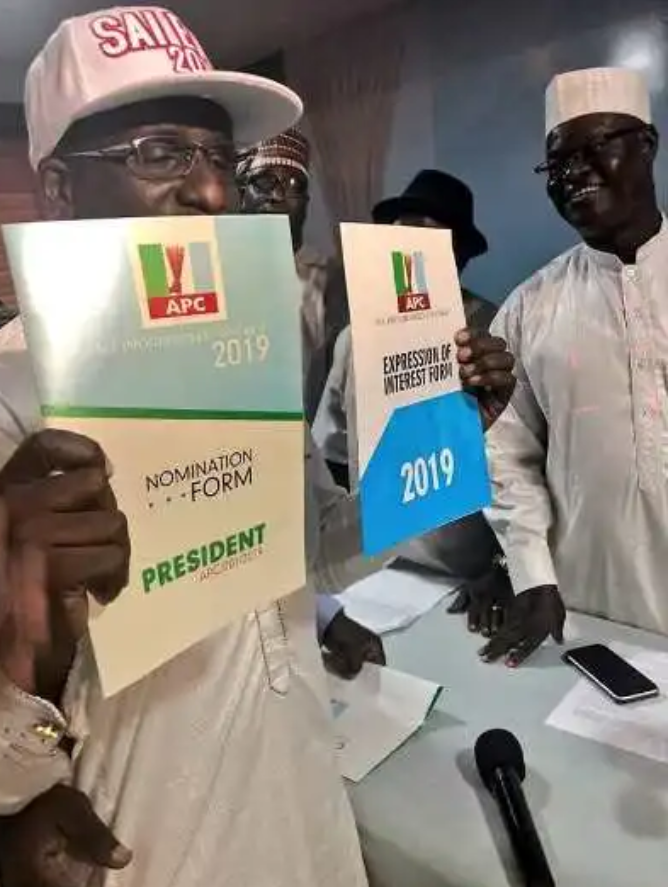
<point x="57" y="841"/>
<point x="59" y="502"/>
<point x="534" y="615"/>
<point x="486" y="370"/>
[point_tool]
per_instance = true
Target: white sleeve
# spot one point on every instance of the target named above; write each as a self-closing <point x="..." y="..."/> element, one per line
<point x="31" y="761"/>
<point x="521" y="512"/>
<point x="333" y="530"/>
<point x="31" y="729"/>
<point x="330" y="426"/>
<point x="350" y="405"/>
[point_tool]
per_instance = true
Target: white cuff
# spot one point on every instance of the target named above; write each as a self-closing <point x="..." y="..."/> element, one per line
<point x="530" y="565"/>
<point x="31" y="761"/>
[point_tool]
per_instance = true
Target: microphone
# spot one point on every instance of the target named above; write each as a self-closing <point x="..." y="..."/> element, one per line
<point x="500" y="762"/>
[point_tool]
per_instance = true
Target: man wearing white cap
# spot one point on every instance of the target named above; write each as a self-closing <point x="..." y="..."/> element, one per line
<point x="580" y="458"/>
<point x="219" y="767"/>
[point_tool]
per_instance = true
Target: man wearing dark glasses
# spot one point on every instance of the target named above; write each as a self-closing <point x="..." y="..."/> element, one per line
<point x="580" y="458"/>
<point x="274" y="177"/>
<point x="219" y="767"/>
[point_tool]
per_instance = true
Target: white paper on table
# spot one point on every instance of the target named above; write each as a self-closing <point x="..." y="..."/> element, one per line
<point x="375" y="714"/>
<point x="639" y="727"/>
<point x="390" y="600"/>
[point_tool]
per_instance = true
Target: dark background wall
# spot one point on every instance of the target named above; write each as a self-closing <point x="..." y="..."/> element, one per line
<point x="17" y="197"/>
<point x="11" y="121"/>
<point x="272" y="66"/>
<point x="490" y="64"/>
<point x="471" y="101"/>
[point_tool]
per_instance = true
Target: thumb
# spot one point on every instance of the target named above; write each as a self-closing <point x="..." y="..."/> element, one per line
<point x="339" y="664"/>
<point x="375" y="653"/>
<point x="558" y="631"/>
<point x="24" y="610"/>
<point x="89" y="837"/>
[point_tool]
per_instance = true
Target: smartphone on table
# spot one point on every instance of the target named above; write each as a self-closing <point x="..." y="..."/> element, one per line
<point x="611" y="673"/>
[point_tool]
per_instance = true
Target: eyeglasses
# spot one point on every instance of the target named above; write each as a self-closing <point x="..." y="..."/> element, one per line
<point x="163" y="158"/>
<point x="267" y="182"/>
<point x="557" y="168"/>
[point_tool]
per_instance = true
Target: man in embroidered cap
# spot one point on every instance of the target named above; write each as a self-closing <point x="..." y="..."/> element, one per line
<point x="274" y="178"/>
<point x="579" y="460"/>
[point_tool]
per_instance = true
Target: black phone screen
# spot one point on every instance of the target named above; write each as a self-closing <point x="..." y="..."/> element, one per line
<point x="611" y="672"/>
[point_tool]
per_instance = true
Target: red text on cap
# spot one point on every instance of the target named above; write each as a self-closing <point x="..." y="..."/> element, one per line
<point x="150" y="29"/>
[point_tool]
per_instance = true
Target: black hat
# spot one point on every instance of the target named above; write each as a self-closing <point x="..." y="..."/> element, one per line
<point x="443" y="198"/>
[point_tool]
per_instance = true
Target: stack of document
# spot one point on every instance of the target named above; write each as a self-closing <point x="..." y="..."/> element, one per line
<point x="393" y="599"/>
<point x="375" y="714"/>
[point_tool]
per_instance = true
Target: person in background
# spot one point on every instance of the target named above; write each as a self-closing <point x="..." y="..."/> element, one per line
<point x="434" y="199"/>
<point x="466" y="548"/>
<point x="580" y="459"/>
<point x="274" y="177"/>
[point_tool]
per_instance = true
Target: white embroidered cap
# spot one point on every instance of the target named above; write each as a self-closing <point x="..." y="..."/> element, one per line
<point x="596" y="90"/>
<point x="290" y="149"/>
<point x="120" y="56"/>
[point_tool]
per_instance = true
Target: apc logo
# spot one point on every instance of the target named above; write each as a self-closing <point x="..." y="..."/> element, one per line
<point x="410" y="282"/>
<point x="179" y="283"/>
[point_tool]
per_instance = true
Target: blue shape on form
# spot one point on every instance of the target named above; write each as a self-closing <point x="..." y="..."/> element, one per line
<point x="450" y="421"/>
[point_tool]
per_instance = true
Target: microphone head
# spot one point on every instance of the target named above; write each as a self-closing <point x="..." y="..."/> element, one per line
<point x="498" y="749"/>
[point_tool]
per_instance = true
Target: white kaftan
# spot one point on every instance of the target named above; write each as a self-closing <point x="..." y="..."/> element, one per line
<point x="217" y="770"/>
<point x="579" y="459"/>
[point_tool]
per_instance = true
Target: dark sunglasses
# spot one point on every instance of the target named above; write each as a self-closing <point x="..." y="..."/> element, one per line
<point x="163" y="158"/>
<point x="556" y="168"/>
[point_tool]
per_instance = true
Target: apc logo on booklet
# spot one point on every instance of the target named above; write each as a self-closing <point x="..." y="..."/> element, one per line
<point x="178" y="281"/>
<point x="410" y="282"/>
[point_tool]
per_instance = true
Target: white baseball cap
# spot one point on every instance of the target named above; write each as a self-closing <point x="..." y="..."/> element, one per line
<point x="120" y="56"/>
<point x="594" y="91"/>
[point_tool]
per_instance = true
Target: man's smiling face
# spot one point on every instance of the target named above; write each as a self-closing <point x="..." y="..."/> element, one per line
<point x="157" y="158"/>
<point x="599" y="169"/>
